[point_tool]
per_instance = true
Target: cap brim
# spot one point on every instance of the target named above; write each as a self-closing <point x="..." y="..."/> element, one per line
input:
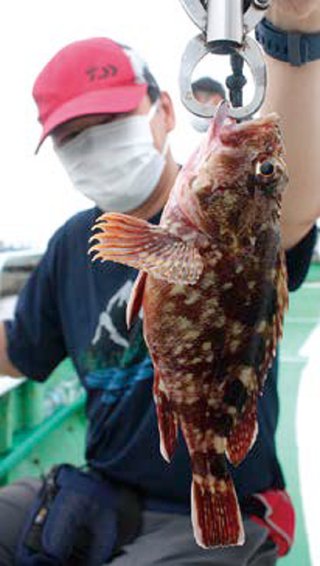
<point x="113" y="100"/>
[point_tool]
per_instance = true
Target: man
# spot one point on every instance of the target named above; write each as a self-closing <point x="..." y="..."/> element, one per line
<point x="95" y="97"/>
<point x="207" y="91"/>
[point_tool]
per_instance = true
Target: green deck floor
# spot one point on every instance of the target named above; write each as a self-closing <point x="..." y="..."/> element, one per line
<point x="303" y="317"/>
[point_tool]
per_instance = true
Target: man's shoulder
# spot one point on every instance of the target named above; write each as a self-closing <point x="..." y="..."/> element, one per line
<point x="81" y="221"/>
<point x="76" y="229"/>
<point x="71" y="240"/>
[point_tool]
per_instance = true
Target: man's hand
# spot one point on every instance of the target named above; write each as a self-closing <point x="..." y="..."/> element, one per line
<point x="6" y="367"/>
<point x="301" y="15"/>
<point x="297" y="8"/>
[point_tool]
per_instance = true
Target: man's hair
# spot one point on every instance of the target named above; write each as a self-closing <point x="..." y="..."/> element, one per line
<point x="153" y="87"/>
<point x="209" y="85"/>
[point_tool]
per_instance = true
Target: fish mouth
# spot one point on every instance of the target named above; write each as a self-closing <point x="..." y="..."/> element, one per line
<point x="222" y="119"/>
<point x="223" y="124"/>
<point x="234" y="134"/>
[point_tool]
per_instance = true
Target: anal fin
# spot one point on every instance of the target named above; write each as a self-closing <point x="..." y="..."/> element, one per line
<point x="167" y="419"/>
<point x="243" y="436"/>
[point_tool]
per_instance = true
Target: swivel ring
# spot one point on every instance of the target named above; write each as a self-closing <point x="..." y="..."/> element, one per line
<point x="252" y="54"/>
<point x="252" y="16"/>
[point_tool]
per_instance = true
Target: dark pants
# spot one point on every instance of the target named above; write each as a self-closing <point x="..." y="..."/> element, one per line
<point x="165" y="539"/>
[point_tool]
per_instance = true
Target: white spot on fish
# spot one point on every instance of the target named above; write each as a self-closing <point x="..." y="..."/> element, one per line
<point x="178" y="349"/>
<point x="247" y="377"/>
<point x="198" y="479"/>
<point x="189" y="376"/>
<point x="232" y="411"/>
<point x="237" y="328"/>
<point x="222" y="486"/>
<point x="214" y="260"/>
<point x="183" y="323"/>
<point x="208" y="280"/>
<point x="262" y="327"/>
<point x="195" y="361"/>
<point x="192" y="298"/>
<point x="169" y="307"/>
<point x="190" y="400"/>
<point x="219" y="444"/>
<point x="191" y="335"/>
<point x="161" y="387"/>
<point x="178" y="290"/>
<point x="234" y="345"/>
<point x="220" y="321"/>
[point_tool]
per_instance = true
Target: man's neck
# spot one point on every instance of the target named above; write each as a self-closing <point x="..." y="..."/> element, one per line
<point x="160" y="195"/>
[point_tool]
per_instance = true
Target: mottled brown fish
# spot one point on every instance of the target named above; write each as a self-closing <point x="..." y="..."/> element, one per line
<point x="213" y="286"/>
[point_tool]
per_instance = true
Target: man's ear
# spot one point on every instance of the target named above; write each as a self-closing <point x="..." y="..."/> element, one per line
<point x="168" y="110"/>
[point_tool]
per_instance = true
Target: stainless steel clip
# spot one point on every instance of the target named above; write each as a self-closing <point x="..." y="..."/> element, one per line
<point x="224" y="25"/>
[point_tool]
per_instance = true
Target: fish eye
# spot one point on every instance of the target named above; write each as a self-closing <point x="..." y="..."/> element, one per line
<point x="265" y="169"/>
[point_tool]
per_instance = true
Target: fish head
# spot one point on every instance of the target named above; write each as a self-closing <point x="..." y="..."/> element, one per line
<point x="238" y="175"/>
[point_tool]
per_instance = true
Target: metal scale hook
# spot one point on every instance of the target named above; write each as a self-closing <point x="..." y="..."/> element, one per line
<point x="224" y="26"/>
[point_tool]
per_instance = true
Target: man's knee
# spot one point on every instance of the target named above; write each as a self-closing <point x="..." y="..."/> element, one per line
<point x="15" y="501"/>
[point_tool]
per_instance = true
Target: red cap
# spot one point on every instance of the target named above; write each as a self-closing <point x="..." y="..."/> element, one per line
<point x="92" y="76"/>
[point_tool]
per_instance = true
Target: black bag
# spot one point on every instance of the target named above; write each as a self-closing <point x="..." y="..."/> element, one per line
<point x="78" y="519"/>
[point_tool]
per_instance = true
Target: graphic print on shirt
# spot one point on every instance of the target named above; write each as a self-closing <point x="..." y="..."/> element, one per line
<point x="118" y="300"/>
<point x="117" y="358"/>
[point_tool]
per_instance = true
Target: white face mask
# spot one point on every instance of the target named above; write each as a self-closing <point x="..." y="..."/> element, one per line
<point x="116" y="164"/>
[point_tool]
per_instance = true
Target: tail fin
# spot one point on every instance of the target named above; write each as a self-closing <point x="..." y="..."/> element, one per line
<point x="216" y="516"/>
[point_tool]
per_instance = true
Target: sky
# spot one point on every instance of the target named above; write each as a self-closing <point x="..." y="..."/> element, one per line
<point x="36" y="195"/>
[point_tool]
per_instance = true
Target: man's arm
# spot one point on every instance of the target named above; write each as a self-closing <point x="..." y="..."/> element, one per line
<point x="6" y="367"/>
<point x="294" y="93"/>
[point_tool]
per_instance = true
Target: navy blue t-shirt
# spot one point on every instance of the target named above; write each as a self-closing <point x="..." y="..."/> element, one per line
<point x="72" y="307"/>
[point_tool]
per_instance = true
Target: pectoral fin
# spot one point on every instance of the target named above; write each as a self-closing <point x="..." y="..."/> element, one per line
<point x="150" y="248"/>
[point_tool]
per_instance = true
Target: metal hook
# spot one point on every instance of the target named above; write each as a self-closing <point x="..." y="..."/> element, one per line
<point x="225" y="28"/>
<point x="252" y="54"/>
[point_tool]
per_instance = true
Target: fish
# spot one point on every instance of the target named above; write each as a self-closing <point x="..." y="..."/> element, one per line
<point x="212" y="283"/>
